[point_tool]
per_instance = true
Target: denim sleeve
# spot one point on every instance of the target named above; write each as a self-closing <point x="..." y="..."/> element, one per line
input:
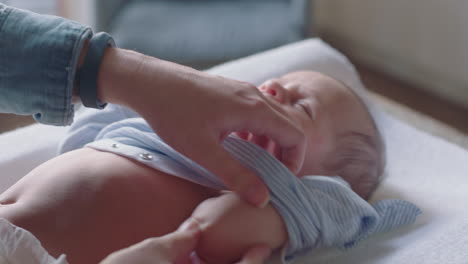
<point x="38" y="60"/>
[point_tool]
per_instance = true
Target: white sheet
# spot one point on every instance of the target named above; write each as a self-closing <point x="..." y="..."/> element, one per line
<point x="425" y="170"/>
<point x="26" y="148"/>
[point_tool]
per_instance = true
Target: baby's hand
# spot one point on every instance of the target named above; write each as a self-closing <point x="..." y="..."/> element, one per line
<point x="230" y="227"/>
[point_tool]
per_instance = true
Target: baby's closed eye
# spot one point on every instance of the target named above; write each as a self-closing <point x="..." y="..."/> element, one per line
<point x="304" y="107"/>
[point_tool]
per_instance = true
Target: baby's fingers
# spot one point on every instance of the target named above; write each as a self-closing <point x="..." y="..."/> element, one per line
<point x="271" y="123"/>
<point x="243" y="135"/>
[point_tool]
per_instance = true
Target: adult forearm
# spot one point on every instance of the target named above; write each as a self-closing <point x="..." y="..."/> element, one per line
<point x="119" y="75"/>
<point x="125" y="76"/>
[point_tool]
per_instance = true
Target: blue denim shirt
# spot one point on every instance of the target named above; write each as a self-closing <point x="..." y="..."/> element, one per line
<point x="38" y="60"/>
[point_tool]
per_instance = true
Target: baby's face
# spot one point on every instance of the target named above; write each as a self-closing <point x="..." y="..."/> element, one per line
<point x="323" y="107"/>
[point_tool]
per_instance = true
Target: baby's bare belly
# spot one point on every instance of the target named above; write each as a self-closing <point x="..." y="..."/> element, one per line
<point x="88" y="203"/>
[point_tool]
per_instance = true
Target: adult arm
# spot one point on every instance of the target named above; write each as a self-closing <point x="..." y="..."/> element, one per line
<point x="175" y="248"/>
<point x="191" y="110"/>
<point x="194" y="111"/>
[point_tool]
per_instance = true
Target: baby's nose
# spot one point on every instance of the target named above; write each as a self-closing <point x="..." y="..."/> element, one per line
<point x="276" y="90"/>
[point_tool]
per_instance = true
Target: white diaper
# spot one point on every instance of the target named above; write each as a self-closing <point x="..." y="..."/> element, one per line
<point x="19" y="246"/>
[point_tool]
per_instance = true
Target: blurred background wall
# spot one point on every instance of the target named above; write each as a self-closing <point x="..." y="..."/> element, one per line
<point x="421" y="42"/>
<point x="424" y="42"/>
<point x="38" y="6"/>
<point x="202" y="33"/>
<point x="81" y="10"/>
<point x="413" y="55"/>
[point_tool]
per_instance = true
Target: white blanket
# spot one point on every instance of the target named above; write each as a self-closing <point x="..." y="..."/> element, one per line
<point x="425" y="170"/>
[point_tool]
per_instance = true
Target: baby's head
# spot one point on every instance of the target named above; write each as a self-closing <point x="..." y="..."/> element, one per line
<point x="343" y="139"/>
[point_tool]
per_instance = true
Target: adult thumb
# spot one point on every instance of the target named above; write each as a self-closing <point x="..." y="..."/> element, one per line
<point x="180" y="244"/>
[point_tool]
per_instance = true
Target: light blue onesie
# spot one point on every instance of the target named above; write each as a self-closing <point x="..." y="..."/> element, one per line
<point x="317" y="210"/>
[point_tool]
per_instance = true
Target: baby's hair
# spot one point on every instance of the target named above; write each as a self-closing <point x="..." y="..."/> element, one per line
<point x="358" y="158"/>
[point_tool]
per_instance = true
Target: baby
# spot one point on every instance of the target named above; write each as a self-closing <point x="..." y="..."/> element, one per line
<point x="92" y="201"/>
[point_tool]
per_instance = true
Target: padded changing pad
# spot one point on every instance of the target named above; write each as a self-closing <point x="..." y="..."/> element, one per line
<point x="423" y="169"/>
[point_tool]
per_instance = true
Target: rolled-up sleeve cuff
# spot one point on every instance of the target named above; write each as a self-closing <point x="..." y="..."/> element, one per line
<point x="67" y="116"/>
<point x="38" y="60"/>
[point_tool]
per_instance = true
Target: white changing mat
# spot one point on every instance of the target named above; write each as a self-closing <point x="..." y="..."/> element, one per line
<point x="422" y="169"/>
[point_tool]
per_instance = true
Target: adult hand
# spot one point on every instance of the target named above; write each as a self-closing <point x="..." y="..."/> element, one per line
<point x="256" y="255"/>
<point x="194" y="111"/>
<point x="175" y="248"/>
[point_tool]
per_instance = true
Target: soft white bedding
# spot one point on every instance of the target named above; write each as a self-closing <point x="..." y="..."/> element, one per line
<point x="421" y="168"/>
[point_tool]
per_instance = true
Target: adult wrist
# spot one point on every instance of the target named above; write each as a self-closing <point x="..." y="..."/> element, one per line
<point x="75" y="93"/>
<point x="125" y="75"/>
<point x="117" y="75"/>
<point x="88" y="74"/>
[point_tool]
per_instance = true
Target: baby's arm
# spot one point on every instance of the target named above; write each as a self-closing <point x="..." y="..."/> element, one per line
<point x="230" y="227"/>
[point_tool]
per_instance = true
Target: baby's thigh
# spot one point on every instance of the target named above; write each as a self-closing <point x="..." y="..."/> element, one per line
<point x="88" y="203"/>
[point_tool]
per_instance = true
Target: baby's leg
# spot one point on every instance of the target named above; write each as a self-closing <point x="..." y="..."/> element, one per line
<point x="88" y="203"/>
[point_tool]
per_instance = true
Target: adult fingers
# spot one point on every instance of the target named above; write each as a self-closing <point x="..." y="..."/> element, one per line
<point x="207" y="152"/>
<point x="195" y="259"/>
<point x="172" y="248"/>
<point x="256" y="255"/>
<point x="177" y="246"/>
